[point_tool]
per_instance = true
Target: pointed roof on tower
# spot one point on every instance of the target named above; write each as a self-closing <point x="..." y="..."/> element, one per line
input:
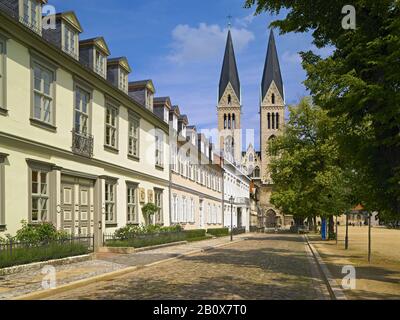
<point x="272" y="70"/>
<point x="229" y="72"/>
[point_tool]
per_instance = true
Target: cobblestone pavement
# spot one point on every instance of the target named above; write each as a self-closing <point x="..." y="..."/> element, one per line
<point x="263" y="267"/>
<point x="18" y="284"/>
<point x="22" y="283"/>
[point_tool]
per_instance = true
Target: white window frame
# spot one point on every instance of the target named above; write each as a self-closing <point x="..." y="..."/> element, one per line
<point x="110" y="200"/>
<point x="99" y="63"/>
<point x="158" y="201"/>
<point x="2" y="193"/>
<point x="134" y="136"/>
<point x="132" y="204"/>
<point x="79" y="110"/>
<point x="69" y="41"/>
<point x="39" y="196"/>
<point x="159" y="148"/>
<point x="32" y="21"/>
<point x="3" y="75"/>
<point x="123" y="80"/>
<point x="111" y="126"/>
<point x="43" y="68"/>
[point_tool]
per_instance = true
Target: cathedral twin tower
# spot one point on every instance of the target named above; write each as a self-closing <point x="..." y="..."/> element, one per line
<point x="272" y="110"/>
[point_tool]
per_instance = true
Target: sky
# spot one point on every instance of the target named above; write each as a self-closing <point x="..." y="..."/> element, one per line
<point x="180" y="44"/>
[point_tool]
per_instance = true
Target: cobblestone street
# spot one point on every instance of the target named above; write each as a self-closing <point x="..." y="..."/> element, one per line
<point x="263" y="267"/>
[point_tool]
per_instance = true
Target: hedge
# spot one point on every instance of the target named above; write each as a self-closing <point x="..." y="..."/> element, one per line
<point x="22" y="256"/>
<point x="219" y="232"/>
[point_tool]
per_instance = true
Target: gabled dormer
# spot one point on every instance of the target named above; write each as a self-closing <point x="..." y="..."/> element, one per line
<point x="162" y="107"/>
<point x="143" y="92"/>
<point x="66" y="34"/>
<point x="93" y="53"/>
<point x="118" y="71"/>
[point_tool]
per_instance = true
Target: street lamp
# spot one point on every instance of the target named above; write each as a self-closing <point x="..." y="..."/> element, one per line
<point x="232" y="201"/>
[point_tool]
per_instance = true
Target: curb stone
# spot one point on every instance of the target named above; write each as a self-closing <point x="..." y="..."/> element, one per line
<point x="111" y="275"/>
<point x="38" y="265"/>
<point x="335" y="291"/>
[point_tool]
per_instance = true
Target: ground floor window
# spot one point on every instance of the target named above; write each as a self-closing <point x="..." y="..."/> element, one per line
<point x="132" y="208"/>
<point x="110" y="203"/>
<point x="2" y="193"/>
<point x="39" y="196"/>
<point x="159" y="203"/>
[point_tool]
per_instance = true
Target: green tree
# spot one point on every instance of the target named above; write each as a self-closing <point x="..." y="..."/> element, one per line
<point x="309" y="177"/>
<point x="359" y="81"/>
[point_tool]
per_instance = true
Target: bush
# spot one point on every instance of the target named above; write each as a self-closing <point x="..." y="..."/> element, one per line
<point x="198" y="233"/>
<point x="219" y="232"/>
<point x="131" y="231"/>
<point x="21" y="256"/>
<point x="40" y="233"/>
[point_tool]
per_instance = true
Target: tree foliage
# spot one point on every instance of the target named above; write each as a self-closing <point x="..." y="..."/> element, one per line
<point x="359" y="81"/>
<point x="309" y="177"/>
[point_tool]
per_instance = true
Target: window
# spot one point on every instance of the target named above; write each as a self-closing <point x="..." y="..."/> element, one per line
<point x="111" y="126"/>
<point x="192" y="208"/>
<point x="174" y="209"/>
<point x="2" y="74"/>
<point x="229" y="99"/>
<point x="110" y="203"/>
<point x="123" y="81"/>
<point x="133" y="136"/>
<point x="269" y="120"/>
<point x="39" y="196"/>
<point x="159" y="148"/>
<point x="277" y="121"/>
<point x="99" y="63"/>
<point x="31" y="15"/>
<point x="273" y="121"/>
<point x="43" y="93"/>
<point x="273" y="98"/>
<point x="132" y="209"/>
<point x="2" y="193"/>
<point x="209" y="214"/>
<point x="159" y="203"/>
<point x="184" y="210"/>
<point x="81" y="117"/>
<point x="69" y="44"/>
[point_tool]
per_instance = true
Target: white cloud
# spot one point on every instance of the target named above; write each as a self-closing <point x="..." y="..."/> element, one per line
<point x="289" y="57"/>
<point x="205" y="41"/>
<point x="245" y="21"/>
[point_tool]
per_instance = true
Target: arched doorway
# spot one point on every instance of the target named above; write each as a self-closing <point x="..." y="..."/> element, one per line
<point x="270" y="221"/>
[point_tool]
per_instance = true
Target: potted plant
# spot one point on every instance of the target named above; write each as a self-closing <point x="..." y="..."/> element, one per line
<point x="149" y="210"/>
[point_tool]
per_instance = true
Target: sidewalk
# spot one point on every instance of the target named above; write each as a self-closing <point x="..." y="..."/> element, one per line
<point x="379" y="279"/>
<point x="19" y="284"/>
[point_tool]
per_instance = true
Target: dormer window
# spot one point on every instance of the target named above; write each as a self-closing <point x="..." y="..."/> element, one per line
<point x="149" y="99"/>
<point x="99" y="63"/>
<point x="123" y="81"/>
<point x="69" y="41"/>
<point x="93" y="53"/>
<point x="30" y="14"/>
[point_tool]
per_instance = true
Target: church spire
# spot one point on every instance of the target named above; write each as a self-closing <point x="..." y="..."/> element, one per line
<point x="272" y="70"/>
<point x="229" y="72"/>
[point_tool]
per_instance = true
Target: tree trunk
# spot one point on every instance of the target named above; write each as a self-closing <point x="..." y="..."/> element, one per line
<point x="332" y="233"/>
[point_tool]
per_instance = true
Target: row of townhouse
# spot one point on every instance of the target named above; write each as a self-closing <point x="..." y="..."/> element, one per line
<point x="84" y="148"/>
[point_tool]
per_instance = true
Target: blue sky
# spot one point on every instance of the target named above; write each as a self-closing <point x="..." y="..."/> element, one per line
<point x="180" y="45"/>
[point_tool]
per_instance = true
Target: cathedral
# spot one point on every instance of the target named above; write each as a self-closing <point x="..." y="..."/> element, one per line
<point x="272" y="115"/>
